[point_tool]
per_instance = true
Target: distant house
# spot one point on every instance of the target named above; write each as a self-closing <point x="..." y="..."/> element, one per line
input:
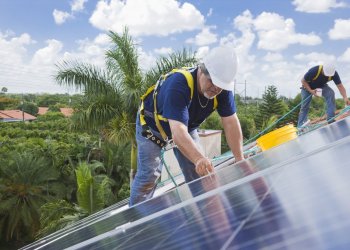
<point x="42" y="110"/>
<point x="15" y="116"/>
<point x="67" y="112"/>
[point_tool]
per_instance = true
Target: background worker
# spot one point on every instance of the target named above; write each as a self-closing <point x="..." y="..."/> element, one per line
<point x="317" y="78"/>
<point x="183" y="100"/>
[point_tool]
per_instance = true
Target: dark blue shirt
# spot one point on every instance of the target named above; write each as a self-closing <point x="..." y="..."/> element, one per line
<point x="321" y="80"/>
<point x="174" y="102"/>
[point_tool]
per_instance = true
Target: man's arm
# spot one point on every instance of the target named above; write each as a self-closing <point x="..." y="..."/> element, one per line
<point x="188" y="147"/>
<point x="307" y="87"/>
<point x="233" y="133"/>
<point x="342" y="91"/>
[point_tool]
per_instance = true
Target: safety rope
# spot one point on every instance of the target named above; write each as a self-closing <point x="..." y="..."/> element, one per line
<point x="273" y="124"/>
<point x="162" y="152"/>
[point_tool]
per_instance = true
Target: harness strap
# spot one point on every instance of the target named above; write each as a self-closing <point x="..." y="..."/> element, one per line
<point x="319" y="72"/>
<point x="146" y="132"/>
<point x="157" y="117"/>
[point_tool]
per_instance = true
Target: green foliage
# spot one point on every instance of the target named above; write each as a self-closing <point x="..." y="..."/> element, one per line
<point x="339" y="103"/>
<point x="48" y="100"/>
<point x="214" y="122"/>
<point x="124" y="192"/>
<point x="25" y="184"/>
<point x="247" y="125"/>
<point x="55" y="108"/>
<point x="271" y="106"/>
<point x="29" y="107"/>
<point x="8" y="103"/>
<point x="178" y="59"/>
<point x="94" y="189"/>
<point x="50" y="116"/>
<point x="58" y="214"/>
<point x="3" y="90"/>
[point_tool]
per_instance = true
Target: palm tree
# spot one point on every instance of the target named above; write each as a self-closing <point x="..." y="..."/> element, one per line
<point x="112" y="95"/>
<point x="93" y="194"/>
<point x="25" y="184"/>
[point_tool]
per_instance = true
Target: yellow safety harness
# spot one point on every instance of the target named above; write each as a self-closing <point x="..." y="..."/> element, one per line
<point x="146" y="131"/>
<point x="319" y="72"/>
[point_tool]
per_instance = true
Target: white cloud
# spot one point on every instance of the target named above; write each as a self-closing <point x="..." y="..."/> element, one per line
<point x="205" y="37"/>
<point x="90" y="51"/>
<point x="210" y="12"/>
<point x="163" y="51"/>
<point x="314" y="57"/>
<point x="13" y="49"/>
<point x="147" y="17"/>
<point x="276" y="33"/>
<point x="78" y="5"/>
<point x="273" y="57"/>
<point x="243" y="44"/>
<point x="341" y="29"/>
<point x="146" y="60"/>
<point x="319" y="6"/>
<point x="49" y="54"/>
<point x="61" y="17"/>
<point x="102" y="39"/>
<point x="20" y="72"/>
<point x="345" y="57"/>
<point x="202" y="52"/>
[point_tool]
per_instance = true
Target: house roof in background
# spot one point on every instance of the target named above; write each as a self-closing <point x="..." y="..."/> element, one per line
<point x="16" y="114"/>
<point x="42" y="110"/>
<point x="67" y="112"/>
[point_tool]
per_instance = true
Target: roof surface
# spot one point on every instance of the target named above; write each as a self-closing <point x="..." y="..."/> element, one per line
<point x="16" y="114"/>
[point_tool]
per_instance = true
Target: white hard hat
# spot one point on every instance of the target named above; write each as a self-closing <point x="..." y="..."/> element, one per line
<point x="221" y="63"/>
<point x="329" y="69"/>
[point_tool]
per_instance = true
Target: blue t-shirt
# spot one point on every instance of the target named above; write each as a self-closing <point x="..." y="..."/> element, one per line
<point x="174" y="102"/>
<point x="321" y="80"/>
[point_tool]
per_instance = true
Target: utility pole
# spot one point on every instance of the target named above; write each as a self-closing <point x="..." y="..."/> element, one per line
<point x="22" y="103"/>
<point x="245" y="91"/>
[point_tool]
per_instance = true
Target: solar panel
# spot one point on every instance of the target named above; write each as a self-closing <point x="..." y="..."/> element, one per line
<point x="263" y="202"/>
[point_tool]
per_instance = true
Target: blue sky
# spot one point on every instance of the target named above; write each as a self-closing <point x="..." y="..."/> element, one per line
<point x="276" y="41"/>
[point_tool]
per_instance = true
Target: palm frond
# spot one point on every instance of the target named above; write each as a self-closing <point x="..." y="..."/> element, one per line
<point x="177" y="59"/>
<point x="120" y="130"/>
<point x="87" y="78"/>
<point x="123" y="60"/>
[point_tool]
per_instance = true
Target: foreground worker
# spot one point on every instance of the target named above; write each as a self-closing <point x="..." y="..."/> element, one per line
<point x="316" y="79"/>
<point x="174" y="108"/>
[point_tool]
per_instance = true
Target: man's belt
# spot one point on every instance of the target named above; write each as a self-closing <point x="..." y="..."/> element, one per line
<point x="148" y="134"/>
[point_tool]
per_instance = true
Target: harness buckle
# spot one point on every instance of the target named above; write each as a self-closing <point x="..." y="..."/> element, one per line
<point x="169" y="144"/>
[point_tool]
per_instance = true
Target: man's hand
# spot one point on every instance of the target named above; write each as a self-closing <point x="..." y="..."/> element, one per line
<point x="314" y="92"/>
<point x="203" y="166"/>
<point x="347" y="102"/>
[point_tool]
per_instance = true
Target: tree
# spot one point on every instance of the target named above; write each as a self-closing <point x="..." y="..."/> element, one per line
<point x="271" y="106"/>
<point x="94" y="193"/>
<point x="112" y="95"/>
<point x="3" y="90"/>
<point x="29" y="107"/>
<point x="8" y="103"/>
<point x="25" y="185"/>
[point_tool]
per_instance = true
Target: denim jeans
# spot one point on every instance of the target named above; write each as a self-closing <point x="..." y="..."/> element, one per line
<point x="327" y="94"/>
<point x="149" y="166"/>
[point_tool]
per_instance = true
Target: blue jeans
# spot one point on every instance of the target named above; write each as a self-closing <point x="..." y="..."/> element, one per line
<point x="327" y="94"/>
<point x="149" y="166"/>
